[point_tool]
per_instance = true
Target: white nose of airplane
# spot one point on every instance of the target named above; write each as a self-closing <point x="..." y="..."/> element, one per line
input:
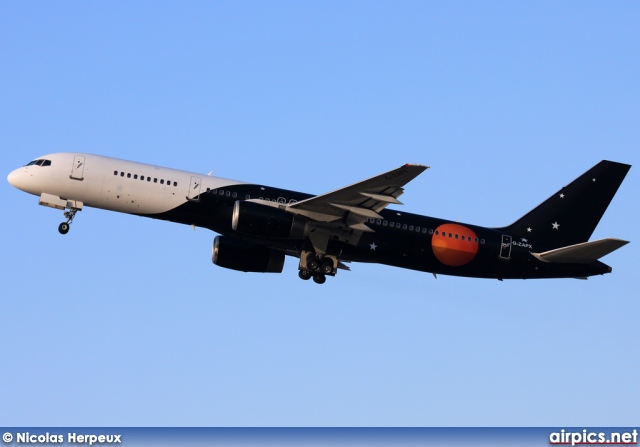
<point x="18" y="178"/>
<point x="12" y="178"/>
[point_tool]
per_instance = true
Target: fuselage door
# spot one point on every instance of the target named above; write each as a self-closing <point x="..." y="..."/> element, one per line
<point x="505" y="247"/>
<point x="194" y="189"/>
<point x="77" y="170"/>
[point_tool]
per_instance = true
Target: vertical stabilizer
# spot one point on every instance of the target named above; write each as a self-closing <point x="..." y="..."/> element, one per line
<point x="570" y="215"/>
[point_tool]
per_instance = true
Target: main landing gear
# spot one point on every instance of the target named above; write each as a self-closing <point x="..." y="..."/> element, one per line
<point x="317" y="266"/>
<point x="63" y="228"/>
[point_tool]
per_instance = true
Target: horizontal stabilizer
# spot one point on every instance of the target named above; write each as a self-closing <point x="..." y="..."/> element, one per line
<point x="584" y="253"/>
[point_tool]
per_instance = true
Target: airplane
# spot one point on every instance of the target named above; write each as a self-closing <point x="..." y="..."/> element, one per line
<point x="259" y="225"/>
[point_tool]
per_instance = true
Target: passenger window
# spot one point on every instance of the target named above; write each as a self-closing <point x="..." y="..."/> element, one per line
<point x="148" y="179"/>
<point x="175" y="183"/>
<point x="135" y="176"/>
<point x="404" y="226"/>
<point x="129" y="175"/>
<point x="122" y="174"/>
<point x="115" y="172"/>
<point x="385" y="223"/>
<point x="221" y="192"/>
<point x="411" y="228"/>
<point x="430" y="230"/>
<point x="228" y="193"/>
<point x="379" y="221"/>
<point x="450" y="235"/>
<point x="155" y="180"/>
<point x="234" y="195"/>
<point x="437" y="233"/>
<point x="142" y="177"/>
<point x="456" y="236"/>
<point x="162" y="181"/>
<point x="482" y="241"/>
<point x="462" y="238"/>
<point x="392" y="224"/>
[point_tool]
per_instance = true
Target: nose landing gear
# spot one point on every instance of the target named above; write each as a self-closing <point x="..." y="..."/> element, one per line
<point x="62" y="204"/>
<point x="64" y="227"/>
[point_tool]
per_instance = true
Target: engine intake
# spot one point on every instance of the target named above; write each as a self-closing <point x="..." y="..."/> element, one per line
<point x="243" y="256"/>
<point x="259" y="220"/>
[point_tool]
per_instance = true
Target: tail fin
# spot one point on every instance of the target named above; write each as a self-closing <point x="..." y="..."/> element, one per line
<point x="569" y="216"/>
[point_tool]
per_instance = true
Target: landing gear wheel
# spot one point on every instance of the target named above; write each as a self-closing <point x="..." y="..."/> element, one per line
<point x="63" y="228"/>
<point x="312" y="261"/>
<point x="327" y="267"/>
<point x="304" y="274"/>
<point x="319" y="278"/>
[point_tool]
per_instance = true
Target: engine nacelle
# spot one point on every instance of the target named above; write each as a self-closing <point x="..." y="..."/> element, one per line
<point x="259" y="220"/>
<point x="238" y="255"/>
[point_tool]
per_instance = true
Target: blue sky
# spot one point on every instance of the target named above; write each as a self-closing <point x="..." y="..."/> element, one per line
<point x="125" y="321"/>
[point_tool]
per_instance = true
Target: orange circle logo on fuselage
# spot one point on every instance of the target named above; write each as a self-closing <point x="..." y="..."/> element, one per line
<point x="454" y="245"/>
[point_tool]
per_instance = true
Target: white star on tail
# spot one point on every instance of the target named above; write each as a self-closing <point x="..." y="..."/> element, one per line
<point x="373" y="246"/>
<point x="529" y="230"/>
<point x="562" y="196"/>
<point x="555" y="225"/>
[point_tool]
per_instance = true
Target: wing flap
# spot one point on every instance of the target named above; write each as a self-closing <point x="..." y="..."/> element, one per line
<point x="583" y="253"/>
<point x="382" y="198"/>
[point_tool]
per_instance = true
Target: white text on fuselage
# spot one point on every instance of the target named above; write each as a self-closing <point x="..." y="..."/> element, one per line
<point x="522" y="244"/>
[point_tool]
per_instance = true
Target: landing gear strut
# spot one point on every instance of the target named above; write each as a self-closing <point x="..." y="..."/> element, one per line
<point x="63" y="228"/>
<point x="317" y="266"/>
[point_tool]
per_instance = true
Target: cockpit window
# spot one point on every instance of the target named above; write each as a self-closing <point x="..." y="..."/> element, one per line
<point x="40" y="163"/>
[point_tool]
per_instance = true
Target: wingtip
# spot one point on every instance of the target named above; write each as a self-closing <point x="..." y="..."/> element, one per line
<point x="417" y="165"/>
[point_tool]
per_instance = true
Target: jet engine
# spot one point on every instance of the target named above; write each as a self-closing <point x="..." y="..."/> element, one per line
<point x="235" y="254"/>
<point x="259" y="220"/>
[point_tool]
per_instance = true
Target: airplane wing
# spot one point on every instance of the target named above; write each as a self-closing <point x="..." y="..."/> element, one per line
<point x="359" y="201"/>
